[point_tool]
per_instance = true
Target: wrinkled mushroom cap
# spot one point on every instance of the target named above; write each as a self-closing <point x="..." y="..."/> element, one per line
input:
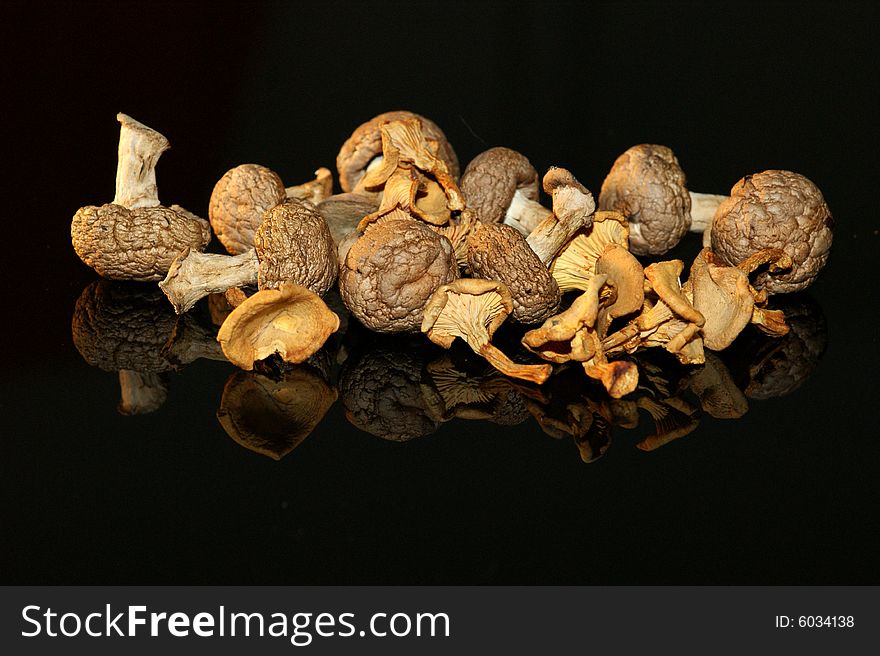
<point x="273" y="417"/>
<point x="491" y="179"/>
<point x="365" y="144"/>
<point x="294" y="244"/>
<point x="238" y="202"/>
<point x="646" y="184"/>
<point x="499" y="252"/>
<point x="139" y="244"/>
<point x="290" y="321"/>
<point x="775" y="209"/>
<point x="390" y="272"/>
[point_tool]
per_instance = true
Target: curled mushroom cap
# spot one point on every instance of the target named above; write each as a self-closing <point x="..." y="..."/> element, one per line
<point x="273" y="417"/>
<point x="388" y="274"/>
<point x="723" y="296"/>
<point x="498" y="252"/>
<point x="472" y="309"/>
<point x="294" y="244"/>
<point x="501" y="185"/>
<point x="575" y="264"/>
<point x="646" y="184"/>
<point x="365" y="144"/>
<point x="290" y="321"/>
<point x="775" y="209"/>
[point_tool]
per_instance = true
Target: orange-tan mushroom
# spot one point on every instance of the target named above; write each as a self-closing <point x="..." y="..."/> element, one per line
<point x="290" y="321"/>
<point x="575" y="264"/>
<point x="472" y="309"/>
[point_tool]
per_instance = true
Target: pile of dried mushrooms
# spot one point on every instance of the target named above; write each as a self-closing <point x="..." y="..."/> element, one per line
<point x="415" y="245"/>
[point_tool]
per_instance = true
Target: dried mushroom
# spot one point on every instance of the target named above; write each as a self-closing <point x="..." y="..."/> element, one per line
<point x="381" y="389"/>
<point x="575" y="264"/>
<point x="134" y="237"/>
<point x="293" y="244"/>
<point x="390" y="272"/>
<point x="129" y="328"/>
<point x="472" y="309"/>
<point x="673" y="418"/>
<point x="290" y="321"/>
<point x="775" y="209"/>
<point x="719" y="396"/>
<point x="573" y="208"/>
<point x="646" y="185"/>
<point x="364" y="147"/>
<point x="245" y="193"/>
<point x="273" y="417"/>
<point x="343" y="212"/>
<point x="498" y="252"/>
<point x="501" y="186"/>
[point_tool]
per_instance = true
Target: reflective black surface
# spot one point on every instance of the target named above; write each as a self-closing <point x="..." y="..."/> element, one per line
<point x="480" y="493"/>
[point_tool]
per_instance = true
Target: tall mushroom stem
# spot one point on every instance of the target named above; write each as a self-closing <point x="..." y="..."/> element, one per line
<point x="703" y="208"/>
<point x="194" y="275"/>
<point x="525" y="214"/>
<point x="139" y="150"/>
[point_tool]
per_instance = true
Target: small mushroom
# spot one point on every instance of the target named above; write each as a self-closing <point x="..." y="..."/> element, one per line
<point x="775" y="209"/>
<point x="364" y="147"/>
<point x="292" y="244"/>
<point x="722" y="295"/>
<point x="472" y="309"/>
<point x="244" y="194"/>
<point x="646" y="184"/>
<point x="273" y="417"/>
<point x="290" y="321"/>
<point x="501" y="185"/>
<point x="498" y="252"/>
<point x="134" y="237"/>
<point x="573" y="208"/>
<point x="390" y="272"/>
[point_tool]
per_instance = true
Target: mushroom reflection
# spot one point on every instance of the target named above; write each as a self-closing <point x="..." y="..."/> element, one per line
<point x="131" y="329"/>
<point x="273" y="415"/>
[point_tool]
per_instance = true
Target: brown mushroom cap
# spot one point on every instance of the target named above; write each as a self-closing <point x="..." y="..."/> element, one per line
<point x="365" y="144"/>
<point x="775" y="209"/>
<point x="290" y="321"/>
<point x="294" y="245"/>
<point x="138" y="244"/>
<point x="389" y="273"/>
<point x="493" y="177"/>
<point x="646" y="184"/>
<point x="238" y="203"/>
<point x="273" y="417"/>
<point x="499" y="252"/>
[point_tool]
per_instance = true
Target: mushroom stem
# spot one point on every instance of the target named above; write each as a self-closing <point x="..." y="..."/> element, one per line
<point x="140" y="393"/>
<point x="525" y="214"/>
<point x="313" y="191"/>
<point x="139" y="150"/>
<point x="703" y="209"/>
<point x="194" y="275"/>
<point x="535" y="373"/>
<point x="552" y="233"/>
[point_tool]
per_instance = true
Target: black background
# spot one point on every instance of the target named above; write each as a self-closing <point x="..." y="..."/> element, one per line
<point x="787" y="494"/>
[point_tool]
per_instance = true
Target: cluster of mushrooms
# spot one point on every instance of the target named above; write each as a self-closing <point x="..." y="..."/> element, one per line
<point x="415" y="246"/>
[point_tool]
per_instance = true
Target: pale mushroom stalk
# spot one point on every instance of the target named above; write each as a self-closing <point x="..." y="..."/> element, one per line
<point x="141" y="393"/>
<point x="139" y="150"/>
<point x="525" y="214"/>
<point x="703" y="208"/>
<point x="313" y="191"/>
<point x="194" y="275"/>
<point x="472" y="309"/>
<point x="573" y="208"/>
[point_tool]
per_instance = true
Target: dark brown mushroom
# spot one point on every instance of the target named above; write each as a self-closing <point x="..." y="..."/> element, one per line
<point x="498" y="252"/>
<point x="364" y="147"/>
<point x="388" y="275"/>
<point x="646" y="185"/>
<point x="244" y="194"/>
<point x="293" y="244"/>
<point x="501" y="185"/>
<point x="134" y="237"/>
<point x="775" y="209"/>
